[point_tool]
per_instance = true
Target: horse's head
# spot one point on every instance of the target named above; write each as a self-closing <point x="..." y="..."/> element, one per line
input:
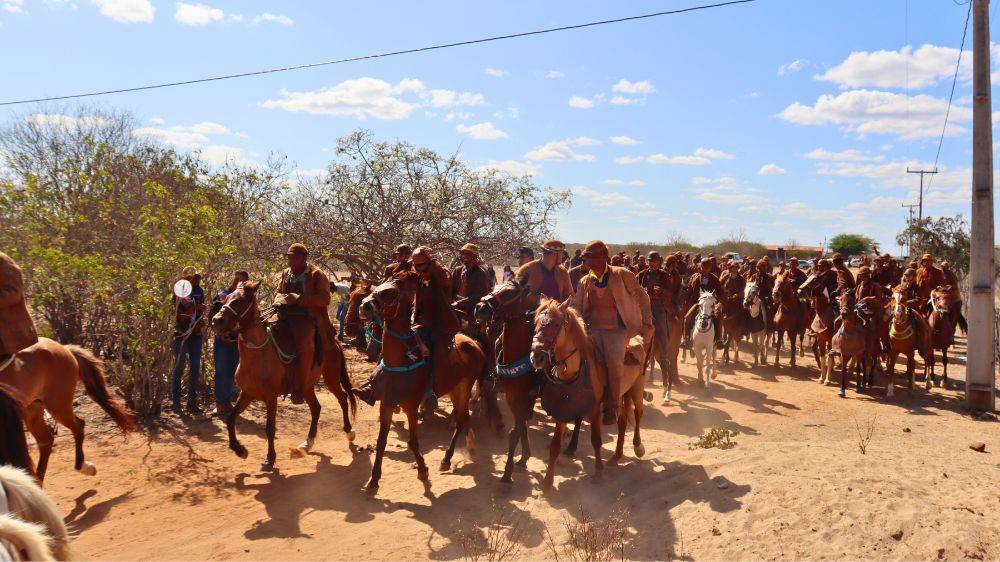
<point x="503" y="303"/>
<point x="941" y="299"/>
<point x="751" y="294"/>
<point x="559" y="339"/>
<point x="386" y="300"/>
<point x="239" y="309"/>
<point x="807" y="286"/>
<point x="707" y="301"/>
<point x="846" y="301"/>
<point x="900" y="312"/>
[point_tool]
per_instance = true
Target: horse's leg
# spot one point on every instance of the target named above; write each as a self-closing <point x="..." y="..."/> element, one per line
<point x="819" y="360"/>
<point x="791" y="344"/>
<point x="736" y="350"/>
<point x="574" y="437"/>
<point x="550" y="471"/>
<point x="34" y="420"/>
<point x="859" y="371"/>
<point x="777" y="347"/>
<point x="711" y="359"/>
<point x="525" y="446"/>
<point x="844" y="360"/>
<point x="332" y="382"/>
<point x="309" y="394"/>
<point x="460" y="407"/>
<point x="944" y="362"/>
<point x="595" y="440"/>
<point x="63" y="413"/>
<point x="637" y="446"/>
<point x="911" y="370"/>
<point x="512" y="438"/>
<point x="698" y="357"/>
<point x="271" y="429"/>
<point x="242" y="401"/>
<point x="725" y="350"/>
<point x="385" y="420"/>
<point x="414" y="443"/>
<point x="622" y="428"/>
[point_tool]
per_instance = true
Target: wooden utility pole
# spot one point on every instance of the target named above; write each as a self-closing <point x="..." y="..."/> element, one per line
<point x="920" y="201"/>
<point x="980" y="386"/>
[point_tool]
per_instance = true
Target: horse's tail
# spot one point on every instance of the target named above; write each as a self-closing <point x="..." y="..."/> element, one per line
<point x="15" y="445"/>
<point x="345" y="383"/>
<point x="28" y="502"/>
<point x="92" y="373"/>
<point x="28" y="539"/>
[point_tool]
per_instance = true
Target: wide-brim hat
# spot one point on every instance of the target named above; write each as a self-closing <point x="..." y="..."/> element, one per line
<point x="836" y="256"/>
<point x="469" y="249"/>
<point x="552" y="246"/>
<point x="926" y="257"/>
<point x="595" y="248"/>
<point x="297" y="248"/>
<point x="404" y="249"/>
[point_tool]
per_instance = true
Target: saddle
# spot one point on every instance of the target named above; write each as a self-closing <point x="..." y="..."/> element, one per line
<point x="569" y="401"/>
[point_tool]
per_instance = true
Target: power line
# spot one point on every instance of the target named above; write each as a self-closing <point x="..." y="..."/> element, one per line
<point x="951" y="96"/>
<point x="379" y="55"/>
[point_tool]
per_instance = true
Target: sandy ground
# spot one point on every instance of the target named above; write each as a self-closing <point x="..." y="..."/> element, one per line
<point x="796" y="485"/>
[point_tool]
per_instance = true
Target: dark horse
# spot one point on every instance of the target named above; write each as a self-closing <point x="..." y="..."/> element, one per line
<point x="789" y="317"/>
<point x="13" y="445"/>
<point x="404" y="378"/>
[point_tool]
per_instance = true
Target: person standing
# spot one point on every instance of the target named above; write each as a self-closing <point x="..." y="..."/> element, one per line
<point x="225" y="350"/>
<point x="188" y="339"/>
<point x="656" y="282"/>
<point x="17" y="330"/>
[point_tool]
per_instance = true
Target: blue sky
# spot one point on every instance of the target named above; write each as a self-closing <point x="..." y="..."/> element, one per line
<point x="791" y="120"/>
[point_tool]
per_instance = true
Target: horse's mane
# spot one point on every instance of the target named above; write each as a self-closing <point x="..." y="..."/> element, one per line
<point x="577" y="331"/>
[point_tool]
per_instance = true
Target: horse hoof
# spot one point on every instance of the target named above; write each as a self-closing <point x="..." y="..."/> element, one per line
<point x="88" y="468"/>
<point x="350" y="436"/>
<point x="666" y="400"/>
<point x="445" y="466"/>
<point x="507" y="479"/>
<point x="423" y="474"/>
<point x="267" y="466"/>
<point x="521" y="464"/>
<point x="857" y="389"/>
<point x="640" y="450"/>
<point x="306" y="445"/>
<point x="372" y="488"/>
<point x="613" y="461"/>
<point x="297" y="452"/>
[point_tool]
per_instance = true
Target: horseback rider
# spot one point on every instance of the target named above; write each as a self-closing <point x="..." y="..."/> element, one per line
<point x="402" y="263"/>
<point x="733" y="284"/>
<point x="656" y="281"/>
<point x="704" y="280"/>
<point x="615" y="309"/>
<point x="951" y="279"/>
<point x="434" y="320"/>
<point x="765" y="288"/>
<point x="797" y="276"/>
<point x="469" y="281"/>
<point x="911" y="299"/>
<point x="17" y="330"/>
<point x="546" y="276"/>
<point x="302" y="300"/>
<point x="845" y="279"/>
<point x="929" y="277"/>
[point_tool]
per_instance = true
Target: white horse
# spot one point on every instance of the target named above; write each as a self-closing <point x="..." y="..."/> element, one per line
<point x="703" y="337"/>
<point x="30" y="525"/>
<point x="757" y="325"/>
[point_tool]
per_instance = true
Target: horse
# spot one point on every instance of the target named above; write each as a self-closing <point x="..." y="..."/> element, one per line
<point x="756" y="322"/>
<point x="30" y="525"/>
<point x="788" y="317"/>
<point x="850" y="343"/>
<point x="456" y="368"/>
<point x="43" y="378"/>
<point x="368" y="335"/>
<point x="822" y="325"/>
<point x="506" y="306"/>
<point x="13" y="444"/>
<point x="267" y="358"/>
<point x="703" y="338"/>
<point x="943" y="322"/>
<point x="903" y="339"/>
<point x="734" y="326"/>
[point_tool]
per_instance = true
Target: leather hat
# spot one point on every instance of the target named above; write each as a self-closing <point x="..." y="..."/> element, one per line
<point x="297" y="248"/>
<point x="654" y="256"/>
<point x="553" y="246"/>
<point x="595" y="248"/>
<point x="404" y="249"/>
<point x="469" y="248"/>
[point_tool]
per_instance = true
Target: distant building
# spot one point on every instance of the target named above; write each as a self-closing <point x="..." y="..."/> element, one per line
<point x="780" y="252"/>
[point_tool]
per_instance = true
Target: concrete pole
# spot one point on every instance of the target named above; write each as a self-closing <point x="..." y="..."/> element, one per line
<point x="980" y="388"/>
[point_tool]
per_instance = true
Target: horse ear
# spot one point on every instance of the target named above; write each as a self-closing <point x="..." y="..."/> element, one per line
<point x="564" y="306"/>
<point x="251" y="286"/>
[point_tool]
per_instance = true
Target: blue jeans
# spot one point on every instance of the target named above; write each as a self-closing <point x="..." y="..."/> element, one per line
<point x="188" y="350"/>
<point x="227" y="357"/>
<point x="341" y="314"/>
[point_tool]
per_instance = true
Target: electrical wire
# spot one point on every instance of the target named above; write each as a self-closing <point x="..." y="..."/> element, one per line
<point x="951" y="96"/>
<point x="377" y="55"/>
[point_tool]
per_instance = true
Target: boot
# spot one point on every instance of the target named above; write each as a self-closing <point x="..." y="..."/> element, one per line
<point x="367" y="393"/>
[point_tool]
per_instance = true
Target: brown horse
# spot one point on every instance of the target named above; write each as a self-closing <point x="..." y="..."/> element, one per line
<point x="905" y="339"/>
<point x="404" y="379"/>
<point x="43" y="378"/>
<point x="850" y="342"/>
<point x="788" y="318"/>
<point x="367" y="335"/>
<point x="943" y="321"/>
<point x="268" y="359"/>
<point x="823" y="325"/>
<point x="734" y="325"/>
<point x="506" y="305"/>
<point x="13" y="445"/>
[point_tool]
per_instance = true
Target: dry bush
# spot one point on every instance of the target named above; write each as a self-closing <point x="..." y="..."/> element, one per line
<point x="589" y="539"/>
<point x="865" y="433"/>
<point x="499" y="540"/>
<point x="716" y="438"/>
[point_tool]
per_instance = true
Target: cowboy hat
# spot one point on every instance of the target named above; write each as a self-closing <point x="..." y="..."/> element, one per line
<point x="550" y="246"/>
<point x="595" y="248"/>
<point x="297" y="248"/>
<point x="469" y="249"/>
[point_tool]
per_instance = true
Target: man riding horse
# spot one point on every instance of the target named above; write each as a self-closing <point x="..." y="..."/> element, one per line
<point x="929" y="277"/>
<point x="302" y="299"/>
<point x="402" y="263"/>
<point x="615" y="309"/>
<point x="546" y="276"/>
<point x="470" y="281"/>
<point x="434" y="320"/>
<point x="17" y="330"/>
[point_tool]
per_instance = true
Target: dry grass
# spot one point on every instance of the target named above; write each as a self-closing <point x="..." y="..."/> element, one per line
<point x="865" y="433"/>
<point x="499" y="540"/>
<point x="716" y="438"/>
<point x="589" y="539"/>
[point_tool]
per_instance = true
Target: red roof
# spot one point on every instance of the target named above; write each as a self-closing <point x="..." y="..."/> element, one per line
<point x="774" y="247"/>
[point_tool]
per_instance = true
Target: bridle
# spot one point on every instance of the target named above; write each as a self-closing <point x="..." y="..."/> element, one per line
<point x="545" y="321"/>
<point x="496" y="305"/>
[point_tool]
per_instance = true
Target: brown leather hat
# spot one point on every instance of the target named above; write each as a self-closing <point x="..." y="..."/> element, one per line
<point x="550" y="246"/>
<point x="837" y="257"/>
<point x="653" y="256"/>
<point x="297" y="248"/>
<point x="469" y="249"/>
<point x="404" y="249"/>
<point x="595" y="248"/>
<point x="926" y="257"/>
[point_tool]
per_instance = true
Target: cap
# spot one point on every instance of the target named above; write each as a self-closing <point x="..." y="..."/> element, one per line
<point x="297" y="248"/>
<point x="553" y="246"/>
<point x="793" y="259"/>
<point x="404" y="249"/>
<point x="423" y="252"/>
<point x="654" y="256"/>
<point x="469" y="249"/>
<point x="595" y="248"/>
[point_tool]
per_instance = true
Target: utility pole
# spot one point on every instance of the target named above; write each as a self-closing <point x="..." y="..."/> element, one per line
<point x="920" y="202"/>
<point x="980" y="386"/>
<point x="909" y="235"/>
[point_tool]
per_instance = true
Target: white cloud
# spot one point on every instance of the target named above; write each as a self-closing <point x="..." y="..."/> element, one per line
<point x="770" y="170"/>
<point x="13" y="6"/>
<point x="554" y="74"/>
<point x="727" y="191"/>
<point x="457" y="116"/>
<point x="359" y="98"/>
<point x="509" y="113"/>
<point x="601" y="198"/>
<point x="624" y="140"/>
<point x="127" y="11"/>
<point x="268" y="17"/>
<point x="636" y="183"/>
<point x="580" y="102"/>
<point x="451" y="98"/>
<point x="867" y="111"/>
<point x="60" y="121"/>
<point x="197" y="14"/>
<point x="482" y="131"/>
<point x="628" y="159"/>
<point x="792" y="67"/>
<point x="622" y="100"/>
<point x="586" y="141"/>
<point x="496" y="72"/>
<point x="683" y="160"/>
<point x="623" y="86"/>
<point x="924" y="67"/>
<point x="850" y="155"/>
<point x="219" y="155"/>
<point x="698" y="180"/>
<point x="713" y="154"/>
<point x="158" y="121"/>
<point x="186" y="137"/>
<point x="512" y="167"/>
<point x="559" y="151"/>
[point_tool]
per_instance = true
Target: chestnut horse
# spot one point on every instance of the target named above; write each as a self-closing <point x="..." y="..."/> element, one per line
<point x="904" y="339"/>
<point x="456" y="368"/>
<point x="789" y="316"/>
<point x="43" y="378"/>
<point x="267" y="358"/>
<point x="506" y="306"/>
<point x="850" y="342"/>
<point x="734" y="325"/>
<point x="943" y="322"/>
<point x="367" y="335"/>
<point x="823" y="325"/>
